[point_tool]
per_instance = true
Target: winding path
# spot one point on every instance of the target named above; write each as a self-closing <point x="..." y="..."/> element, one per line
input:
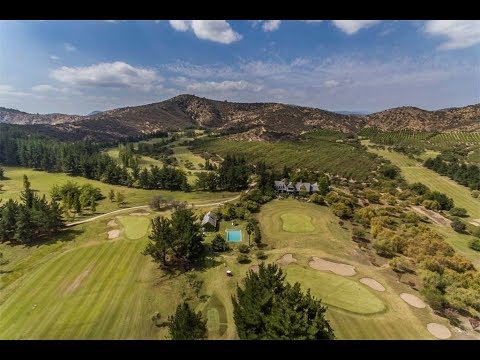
<point x="145" y="207"/>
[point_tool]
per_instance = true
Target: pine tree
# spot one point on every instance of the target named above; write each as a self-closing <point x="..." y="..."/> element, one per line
<point x="27" y="194"/>
<point x="250" y="228"/>
<point x="161" y="236"/>
<point x="120" y="198"/>
<point x="93" y="204"/>
<point x="187" y="237"/>
<point x="8" y="220"/>
<point x="24" y="227"/>
<point x="185" y="324"/>
<point x="268" y="308"/>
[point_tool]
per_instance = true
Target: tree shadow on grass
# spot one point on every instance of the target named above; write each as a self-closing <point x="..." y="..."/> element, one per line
<point x="64" y="235"/>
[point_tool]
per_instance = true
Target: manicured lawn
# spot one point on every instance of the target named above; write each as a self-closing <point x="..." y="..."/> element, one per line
<point x="415" y="172"/>
<point x="43" y="182"/>
<point x="336" y="290"/>
<point x="297" y="223"/>
<point x="135" y="227"/>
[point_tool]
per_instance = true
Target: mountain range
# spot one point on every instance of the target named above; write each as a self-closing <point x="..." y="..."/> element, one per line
<point x="268" y="118"/>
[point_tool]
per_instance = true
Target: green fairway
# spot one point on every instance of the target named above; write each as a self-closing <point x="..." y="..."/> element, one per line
<point x="336" y="290"/>
<point x="324" y="232"/>
<point x="297" y="223"/>
<point x="43" y="182"/>
<point x="135" y="227"/>
<point x="415" y="172"/>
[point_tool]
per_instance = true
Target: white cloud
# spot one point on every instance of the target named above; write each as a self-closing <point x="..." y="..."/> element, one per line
<point x="331" y="83"/>
<point x="54" y="57"/>
<point x="460" y="33"/>
<point x="44" y="88"/>
<point x="313" y="21"/>
<point x="113" y="21"/>
<point x="69" y="47"/>
<point x="223" y="86"/>
<point x="214" y="30"/>
<point x="8" y="90"/>
<point x="352" y="26"/>
<point x="271" y="25"/>
<point x="114" y="75"/>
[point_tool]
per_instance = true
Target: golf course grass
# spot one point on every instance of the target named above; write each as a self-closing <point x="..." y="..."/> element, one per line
<point x="135" y="227"/>
<point x="42" y="182"/>
<point x="413" y="172"/>
<point x="336" y="290"/>
<point x="297" y="223"/>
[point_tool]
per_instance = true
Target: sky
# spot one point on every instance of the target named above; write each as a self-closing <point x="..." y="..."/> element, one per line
<point x="77" y="67"/>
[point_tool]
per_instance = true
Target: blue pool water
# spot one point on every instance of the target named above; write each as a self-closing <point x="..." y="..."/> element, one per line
<point x="234" y="235"/>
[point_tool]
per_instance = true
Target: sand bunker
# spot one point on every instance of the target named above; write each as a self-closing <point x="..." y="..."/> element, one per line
<point x="112" y="223"/>
<point x="372" y="283"/>
<point x="337" y="268"/>
<point x="76" y="283"/>
<point x="439" y="331"/>
<point x="113" y="234"/>
<point x="255" y="268"/>
<point x="286" y="259"/>
<point x="413" y="300"/>
<point x="139" y="214"/>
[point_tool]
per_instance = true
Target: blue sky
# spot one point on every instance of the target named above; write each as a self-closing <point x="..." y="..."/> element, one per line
<point x="76" y="67"/>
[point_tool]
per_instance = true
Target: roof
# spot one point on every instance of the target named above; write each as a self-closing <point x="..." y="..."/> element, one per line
<point x="210" y="218"/>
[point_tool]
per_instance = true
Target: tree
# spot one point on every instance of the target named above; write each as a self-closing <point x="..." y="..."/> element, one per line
<point x="27" y="194"/>
<point x="158" y="203"/>
<point x="249" y="228"/>
<point x="2" y="173"/>
<point x="219" y="244"/>
<point x="187" y="237"/>
<point x="458" y="225"/>
<point x="257" y="235"/>
<point x="161" y="236"/>
<point x="390" y="171"/>
<point x="120" y="198"/>
<point x="186" y="324"/>
<point x="111" y="195"/>
<point x="207" y="181"/>
<point x="323" y="185"/>
<point x="24" y="227"/>
<point x="458" y="211"/>
<point x="268" y="308"/>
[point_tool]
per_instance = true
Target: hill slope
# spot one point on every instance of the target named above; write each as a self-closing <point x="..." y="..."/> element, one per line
<point x="267" y="118"/>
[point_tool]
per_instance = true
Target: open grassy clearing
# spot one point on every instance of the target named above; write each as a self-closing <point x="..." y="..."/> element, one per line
<point x="94" y="288"/>
<point x="144" y="161"/>
<point x="43" y="182"/>
<point x="336" y="290"/>
<point x="413" y="171"/>
<point x="297" y="223"/>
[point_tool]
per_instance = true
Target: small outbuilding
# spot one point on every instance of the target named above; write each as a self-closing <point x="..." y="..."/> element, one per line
<point x="209" y="221"/>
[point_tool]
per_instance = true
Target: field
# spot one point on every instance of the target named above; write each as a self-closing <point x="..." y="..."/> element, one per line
<point x="413" y="171"/>
<point x="423" y="140"/>
<point x="43" y="182"/>
<point x="84" y="286"/>
<point x="316" y="152"/>
<point x="297" y="223"/>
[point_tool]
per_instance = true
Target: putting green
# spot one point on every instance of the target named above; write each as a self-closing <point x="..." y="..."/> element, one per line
<point x="135" y="227"/>
<point x="297" y="223"/>
<point x="213" y="320"/>
<point x="336" y="290"/>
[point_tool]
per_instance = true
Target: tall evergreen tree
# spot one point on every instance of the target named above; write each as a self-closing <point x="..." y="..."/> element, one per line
<point x="27" y="194"/>
<point x="24" y="225"/>
<point x="268" y="308"/>
<point x="161" y="236"/>
<point x="186" y="324"/>
<point x="187" y="237"/>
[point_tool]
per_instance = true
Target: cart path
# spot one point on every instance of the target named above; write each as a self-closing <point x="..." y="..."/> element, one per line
<point x="145" y="207"/>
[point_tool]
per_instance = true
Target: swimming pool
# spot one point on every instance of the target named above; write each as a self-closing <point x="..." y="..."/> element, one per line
<point x="234" y="235"/>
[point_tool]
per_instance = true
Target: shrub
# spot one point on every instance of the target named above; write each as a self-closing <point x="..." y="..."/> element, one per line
<point x="457" y="211"/>
<point x="372" y="196"/>
<point x="243" y="259"/>
<point x="474" y="244"/>
<point x="317" y="199"/>
<point x="458" y="225"/>
<point x="419" y="188"/>
<point x="342" y="211"/>
<point x="243" y="248"/>
<point x="431" y="205"/>
<point x="401" y="264"/>
<point x="476" y="232"/>
<point x="476" y="194"/>
<point x="390" y="171"/>
<point x="384" y="247"/>
<point x="261" y="255"/>
<point x="219" y="244"/>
